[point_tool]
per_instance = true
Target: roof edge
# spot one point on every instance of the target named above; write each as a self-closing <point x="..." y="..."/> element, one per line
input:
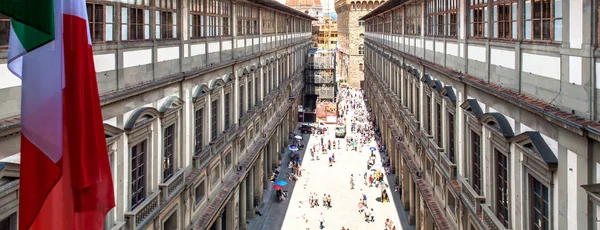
<point x="387" y="5"/>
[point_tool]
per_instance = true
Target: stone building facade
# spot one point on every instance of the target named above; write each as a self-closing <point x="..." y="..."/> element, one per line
<point x="490" y="123"/>
<point x="350" y="37"/>
<point x="196" y="114"/>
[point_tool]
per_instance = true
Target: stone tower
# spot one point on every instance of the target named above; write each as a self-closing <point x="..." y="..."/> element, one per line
<point x="350" y="38"/>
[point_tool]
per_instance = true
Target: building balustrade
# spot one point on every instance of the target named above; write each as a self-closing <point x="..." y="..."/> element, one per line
<point x="202" y="158"/>
<point x="473" y="200"/>
<point x="434" y="149"/>
<point x="447" y="165"/>
<point x="490" y="220"/>
<point x="146" y="211"/>
<point x="172" y="187"/>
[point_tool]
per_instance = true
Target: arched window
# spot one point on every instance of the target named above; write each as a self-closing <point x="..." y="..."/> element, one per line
<point x="361" y="67"/>
<point x="361" y="49"/>
<point x="361" y="35"/>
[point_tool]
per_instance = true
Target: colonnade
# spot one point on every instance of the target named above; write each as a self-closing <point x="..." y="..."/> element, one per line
<point x="250" y="190"/>
<point x="411" y="197"/>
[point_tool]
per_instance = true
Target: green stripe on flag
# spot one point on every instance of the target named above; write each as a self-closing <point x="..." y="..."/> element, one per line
<point x="32" y="21"/>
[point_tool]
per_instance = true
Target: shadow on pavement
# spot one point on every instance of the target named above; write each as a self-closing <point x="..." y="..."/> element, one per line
<point x="273" y="210"/>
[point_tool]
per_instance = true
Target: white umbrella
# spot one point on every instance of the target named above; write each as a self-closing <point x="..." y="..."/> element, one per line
<point x="298" y="137"/>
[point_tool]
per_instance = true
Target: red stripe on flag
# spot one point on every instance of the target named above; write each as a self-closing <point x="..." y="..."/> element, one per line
<point x="39" y="175"/>
<point x="82" y="116"/>
<point x="76" y="192"/>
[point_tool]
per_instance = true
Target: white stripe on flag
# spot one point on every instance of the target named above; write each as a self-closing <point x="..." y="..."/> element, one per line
<point x="41" y="102"/>
<point x="77" y="8"/>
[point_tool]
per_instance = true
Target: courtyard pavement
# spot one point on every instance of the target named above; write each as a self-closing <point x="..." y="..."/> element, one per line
<point x="318" y="177"/>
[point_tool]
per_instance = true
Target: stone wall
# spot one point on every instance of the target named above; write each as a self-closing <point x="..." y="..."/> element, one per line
<point x="350" y="39"/>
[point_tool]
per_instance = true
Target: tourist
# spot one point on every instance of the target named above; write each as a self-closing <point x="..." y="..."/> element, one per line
<point x="256" y="211"/>
<point x="372" y="214"/>
<point x="321" y="221"/>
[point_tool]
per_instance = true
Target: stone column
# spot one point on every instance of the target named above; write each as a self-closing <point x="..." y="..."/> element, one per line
<point x="411" y="191"/>
<point x="218" y="223"/>
<point x="405" y="187"/>
<point x="428" y="221"/>
<point x="243" y="207"/>
<point x="251" y="193"/>
<point x="262" y="169"/>
<point x="418" y="214"/>
<point x="230" y="214"/>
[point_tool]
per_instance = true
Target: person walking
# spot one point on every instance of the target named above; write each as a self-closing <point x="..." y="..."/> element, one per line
<point x="372" y="215"/>
<point x="329" y="200"/>
<point x="321" y="221"/>
<point x="364" y="199"/>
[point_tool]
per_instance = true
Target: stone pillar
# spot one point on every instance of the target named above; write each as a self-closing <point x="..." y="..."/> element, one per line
<point x="251" y="193"/>
<point x="243" y="207"/>
<point x="428" y="221"/>
<point x="411" y="190"/>
<point x="230" y="214"/>
<point x="218" y="223"/>
<point x="261" y="169"/>
<point x="405" y="188"/>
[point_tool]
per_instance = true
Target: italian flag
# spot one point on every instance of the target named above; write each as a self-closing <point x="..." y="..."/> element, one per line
<point x="66" y="181"/>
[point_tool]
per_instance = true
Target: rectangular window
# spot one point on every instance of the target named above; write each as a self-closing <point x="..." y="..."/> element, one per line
<point x="451" y="137"/>
<point x="429" y="115"/>
<point x="268" y="22"/>
<point x="169" y="149"/>
<point x="502" y="187"/>
<point x="214" y="116"/>
<point x="478" y="18"/>
<point x="228" y="160"/>
<point x="215" y="175"/>
<point x="361" y="23"/>
<point x="166" y="19"/>
<point x="249" y="94"/>
<point x="226" y="18"/>
<point x="387" y="24"/>
<point x="476" y="162"/>
<point x="397" y="22"/>
<point x="100" y="22"/>
<point x="241" y="22"/>
<point x="4" y="31"/>
<point x="218" y="18"/>
<point x="200" y="192"/>
<point x="505" y="19"/>
<point x="451" y="17"/>
<point x="196" y="12"/>
<point x="256" y="90"/>
<point x="241" y="101"/>
<point x="539" y="205"/>
<point x="413" y="19"/>
<point x="543" y="20"/>
<point x="439" y="125"/>
<point x="198" y="130"/>
<point x="227" y="119"/>
<point x="417" y="104"/>
<point x="138" y="174"/>
<point x="135" y="22"/>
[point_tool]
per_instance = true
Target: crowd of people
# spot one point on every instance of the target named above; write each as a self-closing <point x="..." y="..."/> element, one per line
<point x="363" y="134"/>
